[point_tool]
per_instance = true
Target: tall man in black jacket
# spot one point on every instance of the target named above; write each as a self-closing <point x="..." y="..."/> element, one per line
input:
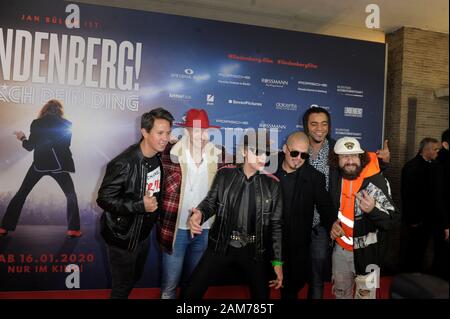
<point x="303" y="187"/>
<point x="422" y="202"/>
<point x="130" y="195"/>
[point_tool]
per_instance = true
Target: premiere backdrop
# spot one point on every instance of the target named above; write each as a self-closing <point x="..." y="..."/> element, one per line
<point x="121" y="63"/>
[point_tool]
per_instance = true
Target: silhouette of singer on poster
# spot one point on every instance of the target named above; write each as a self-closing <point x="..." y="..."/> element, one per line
<point x="50" y="138"/>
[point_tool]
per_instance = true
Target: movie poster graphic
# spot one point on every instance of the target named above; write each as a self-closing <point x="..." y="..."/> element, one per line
<point x="75" y="79"/>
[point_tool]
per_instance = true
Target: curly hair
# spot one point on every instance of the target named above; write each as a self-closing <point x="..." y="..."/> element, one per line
<point x="52" y="107"/>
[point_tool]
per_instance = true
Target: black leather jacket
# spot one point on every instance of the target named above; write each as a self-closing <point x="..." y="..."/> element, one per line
<point x="220" y="202"/>
<point x="50" y="138"/>
<point x="124" y="222"/>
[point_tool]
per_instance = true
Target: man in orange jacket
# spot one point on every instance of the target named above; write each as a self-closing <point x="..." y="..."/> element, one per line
<point x="365" y="211"/>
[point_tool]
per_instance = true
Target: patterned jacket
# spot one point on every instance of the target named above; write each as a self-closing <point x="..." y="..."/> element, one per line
<point x="175" y="167"/>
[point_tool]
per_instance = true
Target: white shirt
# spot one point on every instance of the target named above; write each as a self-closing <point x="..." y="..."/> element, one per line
<point x="195" y="190"/>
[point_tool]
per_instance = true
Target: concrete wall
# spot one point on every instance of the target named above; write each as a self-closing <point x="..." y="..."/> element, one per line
<point x="245" y="15"/>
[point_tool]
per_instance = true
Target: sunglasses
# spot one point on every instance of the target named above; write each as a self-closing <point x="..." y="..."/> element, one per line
<point x="259" y="152"/>
<point x="303" y="155"/>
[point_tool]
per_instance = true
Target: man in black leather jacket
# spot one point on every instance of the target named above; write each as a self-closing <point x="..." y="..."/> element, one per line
<point x="246" y="233"/>
<point x="130" y="195"/>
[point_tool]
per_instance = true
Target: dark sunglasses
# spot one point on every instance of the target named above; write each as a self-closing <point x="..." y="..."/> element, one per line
<point x="297" y="153"/>
<point x="259" y="152"/>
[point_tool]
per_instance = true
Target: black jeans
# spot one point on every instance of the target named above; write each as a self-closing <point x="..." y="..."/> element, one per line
<point x="212" y="265"/>
<point x="126" y="268"/>
<point x="63" y="179"/>
<point x="320" y="266"/>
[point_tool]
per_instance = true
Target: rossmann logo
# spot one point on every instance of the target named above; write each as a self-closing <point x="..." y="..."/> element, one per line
<point x="274" y="82"/>
<point x="274" y="126"/>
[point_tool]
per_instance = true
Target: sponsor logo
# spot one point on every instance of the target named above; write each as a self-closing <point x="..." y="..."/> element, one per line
<point x="286" y="106"/>
<point x="272" y="126"/>
<point x="353" y="112"/>
<point x="312" y="87"/>
<point x="312" y="90"/>
<point x="235" y="76"/>
<point x="234" y="82"/>
<point x="321" y="106"/>
<point x="347" y="132"/>
<point x="274" y="83"/>
<point x="181" y="97"/>
<point x="250" y="103"/>
<point x="349" y="91"/>
<point x="232" y="122"/>
<point x="189" y="74"/>
<point x="210" y="99"/>
<point x="234" y="79"/>
<point x="306" y="83"/>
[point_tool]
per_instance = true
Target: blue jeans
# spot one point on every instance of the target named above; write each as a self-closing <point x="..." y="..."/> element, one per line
<point x="320" y="262"/>
<point x="186" y="254"/>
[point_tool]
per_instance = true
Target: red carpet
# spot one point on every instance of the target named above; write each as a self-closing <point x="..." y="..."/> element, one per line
<point x="222" y="292"/>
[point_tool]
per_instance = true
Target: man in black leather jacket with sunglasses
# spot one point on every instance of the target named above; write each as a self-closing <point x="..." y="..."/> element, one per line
<point x="246" y="233"/>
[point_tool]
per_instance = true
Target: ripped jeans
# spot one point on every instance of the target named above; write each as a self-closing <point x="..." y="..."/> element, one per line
<point x="345" y="279"/>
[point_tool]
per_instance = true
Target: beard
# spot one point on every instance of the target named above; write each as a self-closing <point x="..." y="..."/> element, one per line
<point x="296" y="165"/>
<point x="351" y="174"/>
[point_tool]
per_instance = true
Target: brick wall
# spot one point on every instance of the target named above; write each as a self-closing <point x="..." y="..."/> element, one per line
<point x="417" y="65"/>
